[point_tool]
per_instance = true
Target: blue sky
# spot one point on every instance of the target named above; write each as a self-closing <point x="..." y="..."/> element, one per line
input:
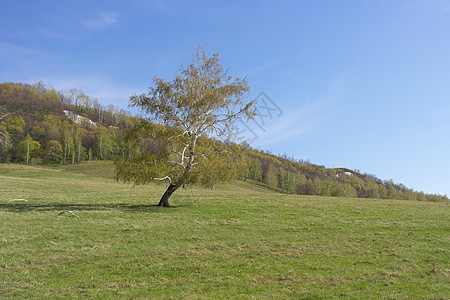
<point x="360" y="84"/>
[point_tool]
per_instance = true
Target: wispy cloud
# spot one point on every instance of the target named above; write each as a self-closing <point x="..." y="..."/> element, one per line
<point x="295" y="122"/>
<point x="165" y="6"/>
<point x="11" y="53"/>
<point x="301" y="120"/>
<point x="435" y="7"/>
<point x="446" y="10"/>
<point x="415" y="4"/>
<point x="278" y="62"/>
<point x="105" y="89"/>
<point x="6" y="47"/>
<point x="103" y="21"/>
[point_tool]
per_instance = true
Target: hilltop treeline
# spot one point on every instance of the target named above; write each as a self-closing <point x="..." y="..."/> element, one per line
<point x="300" y="177"/>
<point x="41" y="125"/>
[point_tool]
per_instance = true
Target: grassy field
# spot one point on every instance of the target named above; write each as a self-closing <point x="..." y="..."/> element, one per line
<point x="237" y="241"/>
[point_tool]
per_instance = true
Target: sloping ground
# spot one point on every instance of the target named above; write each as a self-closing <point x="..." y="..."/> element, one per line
<point x="236" y="241"/>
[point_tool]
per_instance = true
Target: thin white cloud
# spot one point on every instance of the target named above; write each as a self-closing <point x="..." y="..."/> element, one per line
<point x="301" y="120"/>
<point x="105" y="89"/>
<point x="6" y="47"/>
<point x="164" y="6"/>
<point x="416" y="4"/>
<point x="435" y="7"/>
<point x="104" y="20"/>
<point x="20" y="56"/>
<point x="445" y="10"/>
<point x="277" y="63"/>
<point x="295" y="123"/>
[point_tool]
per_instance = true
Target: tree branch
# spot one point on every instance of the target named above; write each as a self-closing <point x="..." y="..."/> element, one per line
<point x="164" y="178"/>
<point x="176" y="163"/>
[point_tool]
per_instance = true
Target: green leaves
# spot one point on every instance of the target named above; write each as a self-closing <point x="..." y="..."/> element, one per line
<point x="201" y="97"/>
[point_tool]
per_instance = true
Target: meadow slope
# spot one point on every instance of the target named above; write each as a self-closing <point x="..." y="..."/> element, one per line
<point x="236" y="241"/>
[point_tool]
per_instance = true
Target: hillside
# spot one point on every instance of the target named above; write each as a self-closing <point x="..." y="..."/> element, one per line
<point x="43" y="126"/>
<point x="236" y="241"/>
<point x="61" y="127"/>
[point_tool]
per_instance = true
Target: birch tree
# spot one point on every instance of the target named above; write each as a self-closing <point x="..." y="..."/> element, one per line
<point x="3" y="136"/>
<point x="204" y="99"/>
<point x="28" y="149"/>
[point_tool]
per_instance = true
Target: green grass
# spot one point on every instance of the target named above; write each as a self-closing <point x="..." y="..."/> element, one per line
<point x="237" y="241"/>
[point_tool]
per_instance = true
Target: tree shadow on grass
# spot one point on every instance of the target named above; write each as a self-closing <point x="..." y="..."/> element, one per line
<point x="60" y="207"/>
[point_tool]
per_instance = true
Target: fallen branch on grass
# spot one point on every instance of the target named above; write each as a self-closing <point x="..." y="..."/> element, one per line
<point x="12" y="200"/>
<point x="68" y="211"/>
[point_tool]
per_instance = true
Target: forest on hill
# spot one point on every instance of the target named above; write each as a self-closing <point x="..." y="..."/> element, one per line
<point x="40" y="125"/>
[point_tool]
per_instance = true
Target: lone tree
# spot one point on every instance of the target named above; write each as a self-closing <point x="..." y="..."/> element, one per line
<point x="171" y="144"/>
